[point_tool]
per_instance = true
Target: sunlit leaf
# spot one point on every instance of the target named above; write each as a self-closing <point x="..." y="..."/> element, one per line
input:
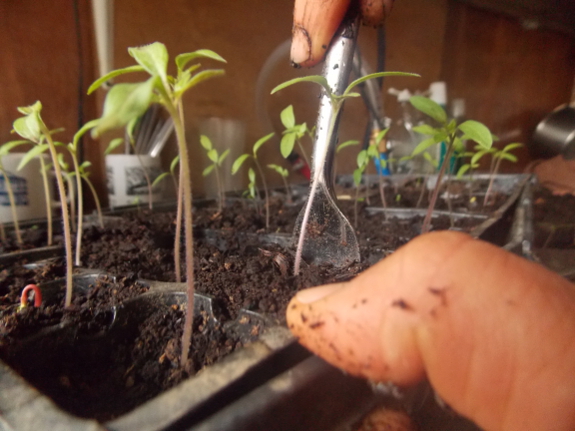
<point x="423" y="145"/>
<point x="213" y="155"/>
<point x="124" y="103"/>
<point x="114" y="143"/>
<point x="357" y="176"/>
<point x="9" y="146"/>
<point x="375" y="76"/>
<point x="159" y="178"/>
<point x="318" y="79"/>
<point x="261" y="141"/>
<point x="239" y="162"/>
<point x="34" y="152"/>
<point x="197" y="78"/>
<point x="206" y="142"/>
<point x="89" y="125"/>
<point x="424" y="129"/>
<point x="362" y="158"/>
<point x="346" y="144"/>
<point x="208" y="170"/>
<point x="431" y="160"/>
<point x="223" y="157"/>
<point x="174" y="163"/>
<point x="510" y="157"/>
<point x="463" y="170"/>
<point x="153" y="58"/>
<point x="287" y="144"/>
<point x="380" y="135"/>
<point x="97" y="83"/>
<point x="477" y="156"/>
<point x="183" y="59"/>
<point x="511" y="147"/>
<point x="29" y="126"/>
<point x="252" y="176"/>
<point x="429" y="107"/>
<point x="477" y="132"/>
<point x="287" y="117"/>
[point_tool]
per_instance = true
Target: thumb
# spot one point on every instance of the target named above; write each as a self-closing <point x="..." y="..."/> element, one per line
<point x="494" y="333"/>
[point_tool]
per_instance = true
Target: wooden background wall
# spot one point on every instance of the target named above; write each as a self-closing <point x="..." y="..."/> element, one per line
<point x="509" y="76"/>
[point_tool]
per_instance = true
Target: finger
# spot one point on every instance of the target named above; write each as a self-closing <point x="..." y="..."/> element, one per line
<point x="493" y="332"/>
<point x="314" y="24"/>
<point x="374" y="12"/>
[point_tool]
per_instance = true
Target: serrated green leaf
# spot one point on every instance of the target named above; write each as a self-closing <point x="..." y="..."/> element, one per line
<point x="423" y="145"/>
<point x="159" y="178"/>
<point x="183" y="59"/>
<point x="513" y="146"/>
<point x="124" y="104"/>
<point x="206" y="142"/>
<point x="375" y="76"/>
<point x="239" y="162"/>
<point x="318" y="79"/>
<point x="260" y="142"/>
<point x="361" y="158"/>
<point x="346" y="144"/>
<point x="35" y="151"/>
<point x="98" y="82"/>
<point x="287" y="117"/>
<point x="9" y="146"/>
<point x="357" y="176"/>
<point x="208" y="170"/>
<point x="429" y="107"/>
<point x="197" y="78"/>
<point x="463" y="169"/>
<point x="424" y="129"/>
<point x="223" y="157"/>
<point x="114" y="143"/>
<point x="213" y="155"/>
<point x="174" y="163"/>
<point x="153" y="58"/>
<point x="477" y="132"/>
<point x="287" y="144"/>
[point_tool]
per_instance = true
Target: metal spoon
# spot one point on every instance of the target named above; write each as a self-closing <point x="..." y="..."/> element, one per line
<point x="324" y="233"/>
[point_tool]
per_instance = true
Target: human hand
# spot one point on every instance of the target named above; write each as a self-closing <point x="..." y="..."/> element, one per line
<point x="493" y="333"/>
<point x="316" y="21"/>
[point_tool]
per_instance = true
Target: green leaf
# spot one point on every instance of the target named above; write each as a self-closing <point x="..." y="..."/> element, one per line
<point x="318" y="79"/>
<point x="35" y="151"/>
<point x="463" y="169"/>
<point x="183" y="59"/>
<point x="381" y="135"/>
<point x="352" y="94"/>
<point x="153" y="58"/>
<point x="197" y="78"/>
<point x="375" y="76"/>
<point x="458" y="146"/>
<point x="357" y="176"/>
<point x="35" y="108"/>
<point x="174" y="163"/>
<point x="424" y="129"/>
<point x="261" y="141"/>
<point x="513" y="146"/>
<point x="372" y="151"/>
<point x="85" y="165"/>
<point x="478" y="155"/>
<point x="114" y="143"/>
<point x="97" y="83"/>
<point x="124" y="103"/>
<point x="8" y="146"/>
<point x="206" y="143"/>
<point x="287" y="117"/>
<point x="252" y="176"/>
<point x="213" y="155"/>
<point x="239" y="162"/>
<point x="346" y="144"/>
<point x="287" y="144"/>
<point x="208" y="170"/>
<point x="89" y="125"/>
<point x="276" y="168"/>
<point x="29" y="126"/>
<point x="424" y="145"/>
<point x="510" y="157"/>
<point x="431" y="160"/>
<point x="477" y="132"/>
<point x="223" y="157"/>
<point x="159" y="178"/>
<point x="362" y="158"/>
<point x="429" y="107"/>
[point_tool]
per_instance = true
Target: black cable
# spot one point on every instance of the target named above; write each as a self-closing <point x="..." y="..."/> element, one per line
<point x="79" y="52"/>
<point x="381" y="52"/>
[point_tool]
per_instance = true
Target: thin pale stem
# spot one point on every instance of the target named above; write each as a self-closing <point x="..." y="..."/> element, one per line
<point x="65" y="216"/>
<point x="178" y="237"/>
<point x="220" y="194"/>
<point x="303" y="153"/>
<point x="288" y="189"/>
<point x="72" y="200"/>
<point x="12" y="206"/>
<point x="267" y="205"/>
<point x="48" y="200"/>
<point x="98" y="206"/>
<point x="80" y="208"/>
<point x="444" y="163"/>
<point x="491" y="180"/>
<point x="382" y="194"/>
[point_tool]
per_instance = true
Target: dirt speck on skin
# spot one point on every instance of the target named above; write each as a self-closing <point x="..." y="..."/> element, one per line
<point x="316" y="325"/>
<point x="400" y="303"/>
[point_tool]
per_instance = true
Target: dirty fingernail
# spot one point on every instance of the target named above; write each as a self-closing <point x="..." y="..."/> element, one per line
<point x="301" y="45"/>
<point x="308" y="296"/>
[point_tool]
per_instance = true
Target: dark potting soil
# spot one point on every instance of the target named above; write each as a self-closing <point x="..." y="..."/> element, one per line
<point x="32" y="237"/>
<point x="554" y="219"/>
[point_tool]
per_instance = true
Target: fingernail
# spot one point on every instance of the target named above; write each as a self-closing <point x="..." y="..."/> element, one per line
<point x="300" y="46"/>
<point x="308" y="296"/>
